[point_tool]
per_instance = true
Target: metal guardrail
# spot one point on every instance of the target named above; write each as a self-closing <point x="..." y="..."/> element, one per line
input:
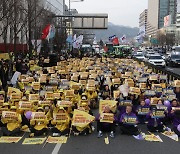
<point x="156" y="69"/>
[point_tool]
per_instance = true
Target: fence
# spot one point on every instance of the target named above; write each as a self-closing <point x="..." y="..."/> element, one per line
<point x="156" y="69"/>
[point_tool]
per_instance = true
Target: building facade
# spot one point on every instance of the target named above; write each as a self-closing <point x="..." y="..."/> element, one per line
<point x="39" y="10"/>
<point x="143" y="19"/>
<point x="157" y="10"/>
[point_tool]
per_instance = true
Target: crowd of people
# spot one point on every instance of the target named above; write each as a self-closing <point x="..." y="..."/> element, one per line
<point x="126" y="93"/>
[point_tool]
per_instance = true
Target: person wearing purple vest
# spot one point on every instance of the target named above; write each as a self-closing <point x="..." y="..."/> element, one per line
<point x="155" y="124"/>
<point x="128" y="121"/>
<point x="174" y="114"/>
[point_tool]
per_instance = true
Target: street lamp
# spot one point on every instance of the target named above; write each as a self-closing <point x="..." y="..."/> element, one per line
<point x="73" y="2"/>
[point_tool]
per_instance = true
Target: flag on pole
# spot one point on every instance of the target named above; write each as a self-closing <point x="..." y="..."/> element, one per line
<point x="114" y="39"/>
<point x="52" y="32"/>
<point x="77" y="41"/>
<point x="111" y="38"/>
<point x="48" y="32"/>
<point x="69" y="39"/>
<point x="95" y="41"/>
<point x="45" y="32"/>
<point x="123" y="39"/>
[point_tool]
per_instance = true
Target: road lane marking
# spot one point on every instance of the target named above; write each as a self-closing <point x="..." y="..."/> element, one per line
<point x="170" y="69"/>
<point x="56" y="148"/>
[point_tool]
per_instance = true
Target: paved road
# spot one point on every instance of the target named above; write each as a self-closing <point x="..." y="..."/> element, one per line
<point x="174" y="70"/>
<point x="92" y="145"/>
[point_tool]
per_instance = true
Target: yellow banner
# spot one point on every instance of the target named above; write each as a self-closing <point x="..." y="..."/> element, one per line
<point x="110" y="103"/>
<point x="107" y="117"/>
<point x="7" y="139"/>
<point x="57" y="140"/>
<point x="34" y="140"/>
<point x="81" y="118"/>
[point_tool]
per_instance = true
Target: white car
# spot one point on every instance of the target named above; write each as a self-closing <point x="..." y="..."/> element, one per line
<point x="156" y="60"/>
<point x="140" y="57"/>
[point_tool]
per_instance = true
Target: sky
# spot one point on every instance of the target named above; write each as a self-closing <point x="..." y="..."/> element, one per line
<point x="121" y="12"/>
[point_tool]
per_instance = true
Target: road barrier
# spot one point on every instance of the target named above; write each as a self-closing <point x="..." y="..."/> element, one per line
<point x="157" y="69"/>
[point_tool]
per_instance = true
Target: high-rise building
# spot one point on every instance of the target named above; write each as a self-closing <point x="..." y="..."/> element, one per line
<point x="56" y="6"/>
<point x="143" y="19"/>
<point x="157" y="10"/>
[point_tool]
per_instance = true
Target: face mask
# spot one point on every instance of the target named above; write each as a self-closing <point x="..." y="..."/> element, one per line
<point x="83" y="97"/>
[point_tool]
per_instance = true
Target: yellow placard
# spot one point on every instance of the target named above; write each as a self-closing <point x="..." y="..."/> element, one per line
<point x="56" y="95"/>
<point x="36" y="85"/>
<point x="60" y="117"/>
<point x="34" y="140"/>
<point x="134" y="90"/>
<point x="69" y="93"/>
<point x="64" y="103"/>
<point x="43" y="78"/>
<point x="116" y="94"/>
<point x="9" y="115"/>
<point x="154" y="100"/>
<point x="15" y="96"/>
<point x="34" y="97"/>
<point x="4" y="56"/>
<point x="8" y="139"/>
<point x="81" y="118"/>
<point x="57" y="140"/>
<point x="116" y="81"/>
<point x="104" y="103"/>
<point x="153" y="138"/>
<point x="24" y="105"/>
<point x="142" y="86"/>
<point x="45" y="103"/>
<point x="1" y="102"/>
<point x="107" y="117"/>
<point x="38" y="116"/>
<point x="49" y="95"/>
<point x="177" y="83"/>
<point x="171" y="135"/>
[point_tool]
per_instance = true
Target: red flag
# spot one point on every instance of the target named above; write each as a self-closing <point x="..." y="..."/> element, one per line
<point x="115" y="41"/>
<point x="45" y="32"/>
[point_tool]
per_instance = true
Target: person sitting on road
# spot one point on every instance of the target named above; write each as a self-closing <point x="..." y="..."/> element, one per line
<point x="141" y="116"/>
<point x="154" y="124"/>
<point x="61" y="126"/>
<point x="38" y="127"/>
<point x="128" y="122"/>
<point x="12" y="126"/>
<point x="105" y="126"/>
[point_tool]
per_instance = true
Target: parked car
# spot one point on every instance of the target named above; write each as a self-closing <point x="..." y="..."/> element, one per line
<point x="173" y="60"/>
<point x="156" y="60"/>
